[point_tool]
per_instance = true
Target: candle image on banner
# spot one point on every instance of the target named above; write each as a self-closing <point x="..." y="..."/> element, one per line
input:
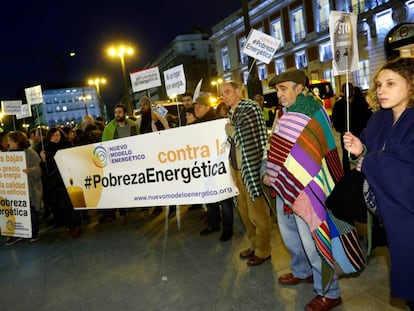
<point x="76" y="195"/>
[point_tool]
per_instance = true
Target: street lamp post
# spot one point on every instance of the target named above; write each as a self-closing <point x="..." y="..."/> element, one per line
<point x="85" y="99"/>
<point x="97" y="82"/>
<point x="120" y="52"/>
<point x="217" y="83"/>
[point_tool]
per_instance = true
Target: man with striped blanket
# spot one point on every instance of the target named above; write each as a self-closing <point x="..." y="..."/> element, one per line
<point x="247" y="129"/>
<point x="303" y="166"/>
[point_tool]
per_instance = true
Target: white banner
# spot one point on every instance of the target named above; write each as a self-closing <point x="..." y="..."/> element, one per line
<point x="343" y="33"/>
<point x="175" y="83"/>
<point x="34" y="95"/>
<point x="11" y="107"/>
<point x="145" y="79"/>
<point x="183" y="165"/>
<point x="14" y="196"/>
<point x="260" y="46"/>
<point x="25" y="112"/>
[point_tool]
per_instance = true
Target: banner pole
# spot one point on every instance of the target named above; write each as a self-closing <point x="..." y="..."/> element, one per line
<point x="178" y="111"/>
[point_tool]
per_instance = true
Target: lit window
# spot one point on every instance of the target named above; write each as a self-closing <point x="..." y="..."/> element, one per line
<point x="64" y="108"/>
<point x="325" y="52"/>
<point x="384" y="21"/>
<point x="301" y="60"/>
<point x="357" y="6"/>
<point x="225" y="58"/>
<point x="298" y="25"/>
<point x="276" y="30"/>
<point x="243" y="57"/>
<point x="262" y="70"/>
<point x="363" y="74"/>
<point x="280" y="66"/>
<point x="245" y="76"/>
<point x="322" y="15"/>
<point x="328" y="75"/>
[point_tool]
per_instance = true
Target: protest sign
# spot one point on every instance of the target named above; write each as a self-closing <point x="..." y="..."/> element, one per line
<point x="260" y="46"/>
<point x="34" y="95"/>
<point x="173" y="166"/>
<point x="145" y="79"/>
<point x="25" y="112"/>
<point x="175" y="83"/>
<point x="14" y="195"/>
<point x="343" y="34"/>
<point x="11" y="107"/>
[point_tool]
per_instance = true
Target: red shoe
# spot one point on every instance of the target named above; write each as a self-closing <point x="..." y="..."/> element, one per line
<point x="255" y="261"/>
<point x="320" y="303"/>
<point x="246" y="254"/>
<point x="290" y="279"/>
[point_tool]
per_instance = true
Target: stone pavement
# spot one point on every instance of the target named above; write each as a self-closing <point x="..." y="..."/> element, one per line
<point x="160" y="264"/>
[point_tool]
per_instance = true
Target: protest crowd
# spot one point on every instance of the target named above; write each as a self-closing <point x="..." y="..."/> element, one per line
<point x="285" y="177"/>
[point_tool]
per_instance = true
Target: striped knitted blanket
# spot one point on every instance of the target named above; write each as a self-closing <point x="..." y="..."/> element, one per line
<point x="303" y="166"/>
<point x="251" y="136"/>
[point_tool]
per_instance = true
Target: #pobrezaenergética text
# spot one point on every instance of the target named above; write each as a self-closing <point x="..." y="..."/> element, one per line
<point x="151" y="175"/>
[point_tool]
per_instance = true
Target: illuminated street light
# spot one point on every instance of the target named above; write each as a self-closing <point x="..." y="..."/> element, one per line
<point x="97" y="82"/>
<point x="120" y="52"/>
<point x="217" y="83"/>
<point x="85" y="99"/>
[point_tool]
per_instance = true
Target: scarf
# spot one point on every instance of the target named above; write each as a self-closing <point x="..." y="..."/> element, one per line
<point x="251" y="136"/>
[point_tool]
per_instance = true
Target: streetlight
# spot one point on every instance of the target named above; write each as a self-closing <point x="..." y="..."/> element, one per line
<point x="217" y="83"/>
<point x="120" y="52"/>
<point x="97" y="82"/>
<point x="85" y="99"/>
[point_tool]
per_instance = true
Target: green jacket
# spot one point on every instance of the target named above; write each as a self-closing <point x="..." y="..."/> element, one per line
<point x="109" y="130"/>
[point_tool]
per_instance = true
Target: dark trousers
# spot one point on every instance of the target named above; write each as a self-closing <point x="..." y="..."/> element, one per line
<point x="227" y="211"/>
<point x="71" y="216"/>
<point x="213" y="214"/>
<point x="34" y="217"/>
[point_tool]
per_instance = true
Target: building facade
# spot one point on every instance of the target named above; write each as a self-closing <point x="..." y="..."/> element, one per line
<point x="66" y="106"/>
<point x="384" y="29"/>
<point x="195" y="52"/>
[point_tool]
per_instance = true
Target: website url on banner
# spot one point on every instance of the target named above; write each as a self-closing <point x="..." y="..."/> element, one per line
<point x="177" y="195"/>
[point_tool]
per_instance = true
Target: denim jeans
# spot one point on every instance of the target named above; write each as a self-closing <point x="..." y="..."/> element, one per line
<point x="305" y="258"/>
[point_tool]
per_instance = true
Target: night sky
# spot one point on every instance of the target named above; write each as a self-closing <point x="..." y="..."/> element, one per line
<point x="37" y="37"/>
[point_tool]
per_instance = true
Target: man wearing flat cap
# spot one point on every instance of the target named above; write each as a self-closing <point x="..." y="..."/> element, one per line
<point x="303" y="166"/>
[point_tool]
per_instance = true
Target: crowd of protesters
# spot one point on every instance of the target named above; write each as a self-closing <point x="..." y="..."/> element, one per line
<point x="300" y="166"/>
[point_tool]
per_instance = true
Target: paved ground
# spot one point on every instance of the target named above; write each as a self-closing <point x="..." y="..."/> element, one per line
<point x="154" y="264"/>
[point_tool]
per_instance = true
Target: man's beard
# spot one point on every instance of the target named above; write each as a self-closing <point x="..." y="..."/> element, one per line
<point x="120" y="119"/>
